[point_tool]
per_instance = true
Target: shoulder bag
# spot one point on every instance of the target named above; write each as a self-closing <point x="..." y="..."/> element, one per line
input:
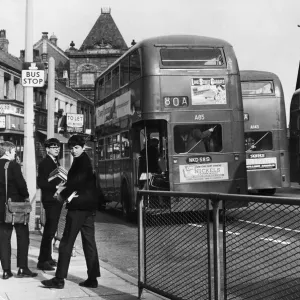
<point x="15" y="212"/>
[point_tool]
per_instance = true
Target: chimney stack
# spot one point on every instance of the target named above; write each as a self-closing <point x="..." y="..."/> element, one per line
<point x="3" y="41"/>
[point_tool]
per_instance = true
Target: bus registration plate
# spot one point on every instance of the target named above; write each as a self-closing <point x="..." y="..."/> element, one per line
<point x="203" y="172"/>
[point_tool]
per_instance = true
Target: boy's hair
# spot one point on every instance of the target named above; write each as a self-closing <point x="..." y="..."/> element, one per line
<point x="76" y="140"/>
<point x="6" y="146"/>
<point x="52" y="142"/>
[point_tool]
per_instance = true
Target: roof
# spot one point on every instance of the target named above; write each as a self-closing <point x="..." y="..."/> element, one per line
<point x="104" y="34"/>
<point x="60" y="87"/>
<point x="59" y="50"/>
<point x="10" y="60"/>
<point x="248" y="75"/>
<point x="182" y="40"/>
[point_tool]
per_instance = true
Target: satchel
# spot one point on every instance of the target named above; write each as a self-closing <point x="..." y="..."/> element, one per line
<point x="16" y="212"/>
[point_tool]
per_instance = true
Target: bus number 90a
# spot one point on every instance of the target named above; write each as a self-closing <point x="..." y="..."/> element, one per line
<point x="176" y="101"/>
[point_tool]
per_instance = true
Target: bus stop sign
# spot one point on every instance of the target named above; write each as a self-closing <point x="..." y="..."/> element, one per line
<point x="33" y="74"/>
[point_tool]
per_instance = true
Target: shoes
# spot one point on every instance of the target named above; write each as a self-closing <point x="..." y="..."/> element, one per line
<point x="45" y="266"/>
<point x="54" y="283"/>
<point x="26" y="273"/>
<point x="91" y="283"/>
<point x="7" y="274"/>
<point x="52" y="262"/>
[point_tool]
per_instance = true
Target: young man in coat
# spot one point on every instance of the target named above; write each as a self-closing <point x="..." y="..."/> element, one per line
<point x="51" y="205"/>
<point x="80" y="218"/>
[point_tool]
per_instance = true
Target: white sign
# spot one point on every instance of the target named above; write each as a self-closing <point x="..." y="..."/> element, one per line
<point x="203" y="172"/>
<point x="2" y="122"/>
<point x="33" y="76"/>
<point x="267" y="163"/>
<point x="74" y="120"/>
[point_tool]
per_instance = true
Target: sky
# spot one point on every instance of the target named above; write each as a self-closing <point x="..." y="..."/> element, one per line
<point x="264" y="33"/>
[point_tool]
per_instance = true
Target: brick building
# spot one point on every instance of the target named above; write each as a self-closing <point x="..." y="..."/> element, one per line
<point x="12" y="103"/>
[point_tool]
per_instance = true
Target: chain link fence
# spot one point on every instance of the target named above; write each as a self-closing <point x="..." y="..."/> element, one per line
<point x="177" y="255"/>
<point x="262" y="250"/>
<point x="219" y="246"/>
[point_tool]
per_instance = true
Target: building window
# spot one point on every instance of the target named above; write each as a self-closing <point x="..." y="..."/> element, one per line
<point x="6" y="85"/>
<point x="5" y="89"/>
<point x="87" y="79"/>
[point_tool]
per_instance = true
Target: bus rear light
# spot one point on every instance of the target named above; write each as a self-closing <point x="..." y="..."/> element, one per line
<point x="236" y="156"/>
<point x="283" y="178"/>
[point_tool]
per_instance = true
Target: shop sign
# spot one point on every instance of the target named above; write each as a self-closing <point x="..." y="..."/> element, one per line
<point x="2" y="122"/>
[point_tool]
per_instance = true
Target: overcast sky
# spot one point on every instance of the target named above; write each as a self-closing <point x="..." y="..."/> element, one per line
<point x="264" y="33"/>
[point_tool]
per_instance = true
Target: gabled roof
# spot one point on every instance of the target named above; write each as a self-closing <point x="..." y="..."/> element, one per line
<point x="10" y="61"/>
<point x="55" y="47"/>
<point x="104" y="34"/>
<point x="60" y="87"/>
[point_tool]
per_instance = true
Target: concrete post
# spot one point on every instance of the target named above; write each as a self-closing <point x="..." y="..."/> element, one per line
<point x="29" y="162"/>
<point x="51" y="98"/>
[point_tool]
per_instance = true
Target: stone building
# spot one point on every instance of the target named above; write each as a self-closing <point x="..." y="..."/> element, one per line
<point x="102" y="46"/>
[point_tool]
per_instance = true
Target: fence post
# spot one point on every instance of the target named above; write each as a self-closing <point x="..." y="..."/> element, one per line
<point x="141" y="253"/>
<point x="216" y="248"/>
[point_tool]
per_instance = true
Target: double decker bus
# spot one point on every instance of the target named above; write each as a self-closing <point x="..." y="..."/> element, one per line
<point x="294" y="137"/>
<point x="266" y="140"/>
<point x="183" y="90"/>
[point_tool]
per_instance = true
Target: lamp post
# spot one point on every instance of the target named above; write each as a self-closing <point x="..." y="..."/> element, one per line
<point x="29" y="163"/>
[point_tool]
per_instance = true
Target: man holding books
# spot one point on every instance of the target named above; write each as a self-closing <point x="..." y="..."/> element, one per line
<point x="51" y="205"/>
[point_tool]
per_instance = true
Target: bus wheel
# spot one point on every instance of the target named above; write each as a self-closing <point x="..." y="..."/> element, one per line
<point x="267" y="192"/>
<point x="125" y="198"/>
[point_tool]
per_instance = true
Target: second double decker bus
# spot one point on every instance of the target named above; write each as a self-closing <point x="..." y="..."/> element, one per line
<point x="184" y="91"/>
<point x="265" y="132"/>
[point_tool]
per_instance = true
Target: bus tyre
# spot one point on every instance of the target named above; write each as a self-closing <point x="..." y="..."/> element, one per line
<point x="125" y="198"/>
<point x="267" y="192"/>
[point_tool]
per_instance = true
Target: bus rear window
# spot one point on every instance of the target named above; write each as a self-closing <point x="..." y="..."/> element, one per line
<point x="257" y="87"/>
<point x="258" y="141"/>
<point x="198" y="138"/>
<point x="191" y="57"/>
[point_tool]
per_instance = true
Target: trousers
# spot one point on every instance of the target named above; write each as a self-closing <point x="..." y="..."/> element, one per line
<point x="52" y="218"/>
<point x="22" y="233"/>
<point x="84" y="222"/>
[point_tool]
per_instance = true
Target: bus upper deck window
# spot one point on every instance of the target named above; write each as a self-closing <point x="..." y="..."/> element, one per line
<point x="257" y="87"/>
<point x="192" y="57"/>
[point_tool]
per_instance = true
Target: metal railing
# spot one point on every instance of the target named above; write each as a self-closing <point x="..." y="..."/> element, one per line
<point x="219" y="246"/>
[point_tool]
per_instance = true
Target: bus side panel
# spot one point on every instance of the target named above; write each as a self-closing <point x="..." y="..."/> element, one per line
<point x="109" y="170"/>
<point x="117" y="180"/>
<point x="101" y="176"/>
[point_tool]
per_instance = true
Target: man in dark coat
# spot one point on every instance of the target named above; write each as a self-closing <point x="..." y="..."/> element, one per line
<point x="18" y="192"/>
<point x="81" y="196"/>
<point x="51" y="205"/>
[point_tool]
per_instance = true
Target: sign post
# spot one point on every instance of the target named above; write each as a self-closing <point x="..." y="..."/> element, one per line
<point x="33" y="74"/>
<point x="29" y="162"/>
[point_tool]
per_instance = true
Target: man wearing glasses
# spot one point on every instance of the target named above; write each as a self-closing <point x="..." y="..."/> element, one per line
<point x="51" y="205"/>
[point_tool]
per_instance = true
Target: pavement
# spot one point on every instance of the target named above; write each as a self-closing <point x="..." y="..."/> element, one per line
<point x="113" y="283"/>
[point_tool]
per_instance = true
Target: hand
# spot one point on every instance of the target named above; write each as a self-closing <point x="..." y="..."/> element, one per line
<point x="211" y="129"/>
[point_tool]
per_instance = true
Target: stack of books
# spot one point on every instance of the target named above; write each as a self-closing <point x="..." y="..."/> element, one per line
<point x="60" y="172"/>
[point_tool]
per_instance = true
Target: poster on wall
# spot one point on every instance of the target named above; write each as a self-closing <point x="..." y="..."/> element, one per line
<point x="208" y="91"/>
